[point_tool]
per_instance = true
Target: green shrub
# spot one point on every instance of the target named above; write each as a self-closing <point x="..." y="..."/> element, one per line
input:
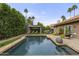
<point x="12" y="22"/>
<point x="62" y="35"/>
<point x="61" y="31"/>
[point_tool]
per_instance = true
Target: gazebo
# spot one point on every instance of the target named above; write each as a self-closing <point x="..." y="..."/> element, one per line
<point x="34" y="29"/>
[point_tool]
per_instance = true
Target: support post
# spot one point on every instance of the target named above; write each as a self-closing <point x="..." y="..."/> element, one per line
<point x="28" y="29"/>
<point x="40" y="30"/>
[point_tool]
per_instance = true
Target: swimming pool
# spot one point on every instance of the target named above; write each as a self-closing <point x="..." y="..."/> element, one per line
<point x="39" y="46"/>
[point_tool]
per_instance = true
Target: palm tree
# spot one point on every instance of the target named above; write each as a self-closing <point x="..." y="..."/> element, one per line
<point x="74" y="7"/>
<point x="32" y="19"/>
<point x="69" y="10"/>
<point x="26" y="11"/>
<point x="63" y="18"/>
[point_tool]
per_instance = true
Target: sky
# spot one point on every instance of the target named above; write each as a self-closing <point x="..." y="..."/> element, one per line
<point x="46" y="13"/>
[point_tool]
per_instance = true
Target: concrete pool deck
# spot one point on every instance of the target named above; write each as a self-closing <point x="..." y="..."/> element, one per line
<point x="72" y="43"/>
<point x="5" y="48"/>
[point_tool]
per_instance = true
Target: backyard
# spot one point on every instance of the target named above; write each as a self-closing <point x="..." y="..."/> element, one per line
<point x="23" y="32"/>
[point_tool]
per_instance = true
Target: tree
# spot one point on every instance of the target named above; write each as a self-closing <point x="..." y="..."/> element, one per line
<point x="12" y="22"/>
<point x="30" y="20"/>
<point x="5" y="7"/>
<point x="47" y="28"/>
<point x="33" y="17"/>
<point x="42" y="26"/>
<point x="69" y="10"/>
<point x="26" y="11"/>
<point x="63" y="18"/>
<point x="74" y="7"/>
<point x="39" y="24"/>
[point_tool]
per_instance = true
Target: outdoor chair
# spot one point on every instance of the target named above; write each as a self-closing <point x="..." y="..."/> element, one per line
<point x="68" y="36"/>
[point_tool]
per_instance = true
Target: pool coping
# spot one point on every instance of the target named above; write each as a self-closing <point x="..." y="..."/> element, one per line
<point x="36" y="35"/>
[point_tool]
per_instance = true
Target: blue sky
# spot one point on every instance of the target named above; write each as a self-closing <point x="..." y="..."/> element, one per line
<point x="47" y="13"/>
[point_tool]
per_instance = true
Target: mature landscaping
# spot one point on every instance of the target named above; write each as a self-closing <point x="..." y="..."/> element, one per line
<point x="16" y="27"/>
<point x="12" y="22"/>
<point x="64" y="26"/>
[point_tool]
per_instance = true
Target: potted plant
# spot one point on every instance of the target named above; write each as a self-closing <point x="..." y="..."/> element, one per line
<point x="67" y="34"/>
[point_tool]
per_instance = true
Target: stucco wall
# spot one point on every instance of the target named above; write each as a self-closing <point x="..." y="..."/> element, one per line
<point x="57" y="29"/>
<point x="75" y="29"/>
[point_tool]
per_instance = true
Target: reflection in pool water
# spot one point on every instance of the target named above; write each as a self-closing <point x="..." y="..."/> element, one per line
<point x="39" y="46"/>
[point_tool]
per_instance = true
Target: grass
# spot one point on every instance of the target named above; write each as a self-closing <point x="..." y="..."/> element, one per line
<point x="53" y="33"/>
<point x="8" y="42"/>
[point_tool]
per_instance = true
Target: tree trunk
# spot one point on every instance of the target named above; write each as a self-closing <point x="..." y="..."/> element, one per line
<point x="70" y="15"/>
<point x="74" y="12"/>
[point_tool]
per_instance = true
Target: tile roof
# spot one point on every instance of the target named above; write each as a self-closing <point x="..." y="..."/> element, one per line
<point x="68" y="21"/>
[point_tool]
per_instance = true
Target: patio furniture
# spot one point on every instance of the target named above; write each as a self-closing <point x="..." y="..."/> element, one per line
<point x="68" y="36"/>
<point x="73" y="35"/>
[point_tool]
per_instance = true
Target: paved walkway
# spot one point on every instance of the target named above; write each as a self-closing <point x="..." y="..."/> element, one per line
<point x="4" y="48"/>
<point x="73" y="43"/>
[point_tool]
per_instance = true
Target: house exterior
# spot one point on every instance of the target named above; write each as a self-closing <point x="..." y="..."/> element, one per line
<point x="69" y="26"/>
<point x="52" y="28"/>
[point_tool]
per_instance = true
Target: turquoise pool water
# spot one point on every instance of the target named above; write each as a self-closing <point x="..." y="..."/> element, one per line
<point x="39" y="46"/>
